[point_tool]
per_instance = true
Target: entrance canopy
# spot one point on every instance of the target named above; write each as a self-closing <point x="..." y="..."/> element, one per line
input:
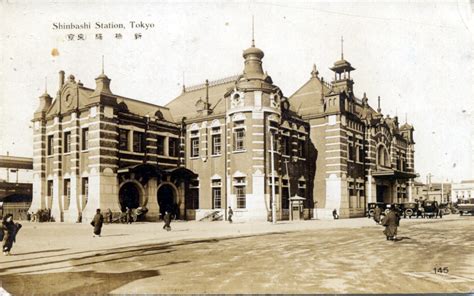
<point x="393" y="175"/>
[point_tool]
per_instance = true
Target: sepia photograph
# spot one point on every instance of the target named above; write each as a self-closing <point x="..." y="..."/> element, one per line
<point x="236" y="147"/>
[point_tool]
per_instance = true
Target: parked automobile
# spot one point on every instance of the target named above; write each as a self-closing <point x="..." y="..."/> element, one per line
<point x="466" y="206"/>
<point x="410" y="209"/>
<point x="371" y="208"/>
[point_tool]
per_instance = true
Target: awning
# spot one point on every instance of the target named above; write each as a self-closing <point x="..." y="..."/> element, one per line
<point x="296" y="198"/>
<point x="393" y="174"/>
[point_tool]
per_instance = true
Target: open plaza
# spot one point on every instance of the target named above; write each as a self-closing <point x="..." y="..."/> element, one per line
<point x="312" y="256"/>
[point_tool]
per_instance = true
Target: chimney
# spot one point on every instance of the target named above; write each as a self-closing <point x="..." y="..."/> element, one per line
<point x="61" y="78"/>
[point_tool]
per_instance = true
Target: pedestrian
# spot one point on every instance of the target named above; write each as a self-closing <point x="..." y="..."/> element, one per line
<point x="97" y="222"/>
<point x="335" y="215"/>
<point x="28" y="216"/>
<point x="377" y="214"/>
<point x="391" y="222"/>
<point x="110" y="215"/>
<point x="230" y="213"/>
<point x="167" y="220"/>
<point x="128" y="212"/>
<point x="9" y="231"/>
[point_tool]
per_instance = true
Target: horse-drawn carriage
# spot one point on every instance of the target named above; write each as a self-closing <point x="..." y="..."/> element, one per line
<point x="431" y="209"/>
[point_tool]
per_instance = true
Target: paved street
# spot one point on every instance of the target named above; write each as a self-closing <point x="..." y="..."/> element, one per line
<point x="343" y="256"/>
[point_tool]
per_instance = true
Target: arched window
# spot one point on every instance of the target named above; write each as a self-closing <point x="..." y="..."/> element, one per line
<point x="382" y="157"/>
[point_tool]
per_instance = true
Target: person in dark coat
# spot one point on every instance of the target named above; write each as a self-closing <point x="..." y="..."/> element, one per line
<point x="230" y="213"/>
<point x="9" y="231"/>
<point x="129" y="216"/>
<point x="335" y="215"/>
<point x="97" y="222"/>
<point x="167" y="220"/>
<point x="391" y="222"/>
<point x="110" y="215"/>
<point x="377" y="214"/>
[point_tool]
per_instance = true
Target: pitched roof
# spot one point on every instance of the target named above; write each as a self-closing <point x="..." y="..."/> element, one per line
<point x="185" y="105"/>
<point x="134" y="106"/>
<point x="307" y="99"/>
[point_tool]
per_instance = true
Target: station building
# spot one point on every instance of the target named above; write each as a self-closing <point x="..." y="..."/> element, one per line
<point x="211" y="148"/>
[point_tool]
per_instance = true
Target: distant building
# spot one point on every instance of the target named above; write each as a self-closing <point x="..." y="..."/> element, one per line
<point x="462" y="191"/>
<point x="15" y="185"/>
<point x="210" y="148"/>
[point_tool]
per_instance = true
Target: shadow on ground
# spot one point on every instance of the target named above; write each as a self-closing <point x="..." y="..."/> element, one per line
<point x="85" y="282"/>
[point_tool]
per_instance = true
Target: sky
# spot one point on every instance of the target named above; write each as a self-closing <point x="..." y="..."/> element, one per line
<point x="417" y="56"/>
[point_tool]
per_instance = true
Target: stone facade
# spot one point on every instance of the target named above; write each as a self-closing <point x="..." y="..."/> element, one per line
<point x="211" y="148"/>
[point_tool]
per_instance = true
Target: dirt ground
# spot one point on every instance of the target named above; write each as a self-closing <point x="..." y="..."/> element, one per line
<point x="345" y="256"/>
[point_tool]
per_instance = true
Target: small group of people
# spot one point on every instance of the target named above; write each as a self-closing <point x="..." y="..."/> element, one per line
<point x="8" y="234"/>
<point x="391" y="221"/>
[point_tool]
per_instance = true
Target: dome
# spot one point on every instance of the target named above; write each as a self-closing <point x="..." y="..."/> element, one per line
<point x="406" y="126"/>
<point x="253" y="51"/>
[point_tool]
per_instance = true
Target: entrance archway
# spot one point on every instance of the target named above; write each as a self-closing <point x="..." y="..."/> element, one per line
<point x="129" y="196"/>
<point x="167" y="200"/>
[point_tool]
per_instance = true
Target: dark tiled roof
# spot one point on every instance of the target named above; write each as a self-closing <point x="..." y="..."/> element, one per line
<point x="185" y="104"/>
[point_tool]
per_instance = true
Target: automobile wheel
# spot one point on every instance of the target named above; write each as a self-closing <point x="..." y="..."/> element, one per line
<point x="371" y="212"/>
<point x="387" y="211"/>
<point x="409" y="212"/>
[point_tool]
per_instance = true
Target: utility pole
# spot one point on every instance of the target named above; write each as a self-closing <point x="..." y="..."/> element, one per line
<point x="272" y="161"/>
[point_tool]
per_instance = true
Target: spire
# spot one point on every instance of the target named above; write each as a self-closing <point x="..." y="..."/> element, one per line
<point x="207" y="94"/>
<point x="315" y="72"/>
<point x="46" y="84"/>
<point x="342" y="47"/>
<point x="253" y="32"/>
<point x="406" y="118"/>
<point x="184" y="86"/>
<point x="102" y="64"/>
<point x="378" y="105"/>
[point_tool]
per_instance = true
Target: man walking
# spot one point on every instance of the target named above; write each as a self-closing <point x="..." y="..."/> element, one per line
<point x="391" y="222"/>
<point x="97" y="222"/>
<point x="230" y="213"/>
<point x="167" y="220"/>
<point x="9" y="232"/>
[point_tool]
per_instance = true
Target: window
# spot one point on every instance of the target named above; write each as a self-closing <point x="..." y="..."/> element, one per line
<point x="241" y="200"/>
<point x="194" y="144"/>
<point x="67" y="142"/>
<point x="216" y="194"/>
<point x="302" y="188"/>
<point x="85" y="138"/>
<point x="350" y="149"/>
<point x="382" y="157"/>
<point x="360" y="152"/>
<point x="160" y="145"/>
<point x="192" y="200"/>
<point x="239" y="136"/>
<point x="123" y="139"/>
<point x="67" y="193"/>
<point x="85" y="186"/>
<point x="285" y="145"/>
<point x="173" y="147"/>
<point x="50" y="144"/>
<point x="239" y="191"/>
<point x="50" y="188"/>
<point x="138" y="142"/>
<point x="301" y="148"/>
<point x="216" y="144"/>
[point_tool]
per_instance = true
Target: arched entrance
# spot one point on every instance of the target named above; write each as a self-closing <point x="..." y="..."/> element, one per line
<point x="167" y="200"/>
<point x="129" y="196"/>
